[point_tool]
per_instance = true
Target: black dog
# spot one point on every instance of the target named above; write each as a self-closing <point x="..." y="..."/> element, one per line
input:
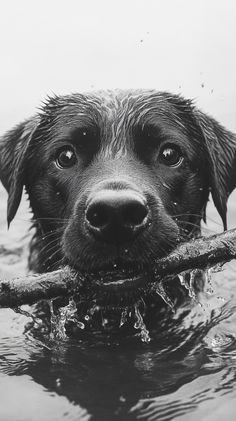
<point x="116" y="179"/>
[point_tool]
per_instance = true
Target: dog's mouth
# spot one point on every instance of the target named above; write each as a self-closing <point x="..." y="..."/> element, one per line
<point x="117" y="278"/>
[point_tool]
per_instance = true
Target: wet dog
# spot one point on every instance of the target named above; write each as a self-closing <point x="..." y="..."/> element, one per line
<point x="116" y="179"/>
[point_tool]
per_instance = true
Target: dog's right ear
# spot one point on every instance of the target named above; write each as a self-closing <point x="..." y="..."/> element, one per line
<point x="13" y="152"/>
<point x="220" y="147"/>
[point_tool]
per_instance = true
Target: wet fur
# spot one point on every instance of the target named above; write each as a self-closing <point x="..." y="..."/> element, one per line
<point x="126" y="128"/>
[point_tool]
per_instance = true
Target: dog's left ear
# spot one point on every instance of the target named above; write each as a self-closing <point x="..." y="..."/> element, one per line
<point x="221" y="150"/>
<point x="13" y="153"/>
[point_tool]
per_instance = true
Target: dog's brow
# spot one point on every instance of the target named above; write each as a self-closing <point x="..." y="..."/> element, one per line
<point x="116" y="116"/>
<point x="148" y="130"/>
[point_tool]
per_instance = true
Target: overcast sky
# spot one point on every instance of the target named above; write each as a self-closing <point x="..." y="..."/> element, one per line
<point x="183" y="46"/>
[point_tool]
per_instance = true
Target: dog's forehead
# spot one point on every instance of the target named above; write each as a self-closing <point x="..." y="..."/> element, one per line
<point x="119" y="107"/>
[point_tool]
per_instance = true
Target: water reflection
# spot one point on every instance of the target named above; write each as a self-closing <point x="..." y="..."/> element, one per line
<point x="190" y="361"/>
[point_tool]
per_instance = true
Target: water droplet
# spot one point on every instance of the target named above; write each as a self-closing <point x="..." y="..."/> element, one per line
<point x="221" y="298"/>
<point x="175" y="203"/>
<point x="81" y="325"/>
<point x="87" y="317"/>
<point x="115" y="265"/>
<point x="182" y="279"/>
<point x="58" y="382"/>
<point x="104" y="322"/>
<point x="93" y="309"/>
<point x="209" y="289"/>
<point x="123" y="318"/>
<point x="126" y="251"/>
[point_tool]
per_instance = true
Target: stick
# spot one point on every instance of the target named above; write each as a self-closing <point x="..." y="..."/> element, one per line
<point x="199" y="253"/>
<point x="32" y="288"/>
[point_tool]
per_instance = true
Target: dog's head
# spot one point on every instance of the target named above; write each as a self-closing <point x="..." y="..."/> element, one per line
<point x="116" y="179"/>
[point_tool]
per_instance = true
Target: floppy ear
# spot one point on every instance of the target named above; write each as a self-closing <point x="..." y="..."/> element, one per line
<point x="13" y="151"/>
<point x="221" y="150"/>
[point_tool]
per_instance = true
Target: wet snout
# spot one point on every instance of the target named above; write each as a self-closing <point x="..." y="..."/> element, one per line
<point x="116" y="216"/>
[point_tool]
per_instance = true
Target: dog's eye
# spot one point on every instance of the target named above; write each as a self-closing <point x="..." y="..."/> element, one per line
<point x="66" y="157"/>
<point x="171" y="155"/>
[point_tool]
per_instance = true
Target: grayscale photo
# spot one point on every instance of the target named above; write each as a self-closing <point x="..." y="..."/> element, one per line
<point x="118" y="210"/>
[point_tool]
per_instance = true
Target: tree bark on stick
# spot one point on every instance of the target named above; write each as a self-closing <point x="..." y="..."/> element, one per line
<point x="201" y="253"/>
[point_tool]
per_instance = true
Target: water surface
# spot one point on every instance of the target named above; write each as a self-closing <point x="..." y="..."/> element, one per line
<point x="186" y="372"/>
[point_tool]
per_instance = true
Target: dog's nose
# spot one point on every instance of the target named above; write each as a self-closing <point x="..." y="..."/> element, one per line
<point x="116" y="216"/>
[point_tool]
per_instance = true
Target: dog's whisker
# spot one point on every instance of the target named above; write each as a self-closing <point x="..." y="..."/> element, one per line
<point x="49" y="246"/>
<point x="191" y="224"/>
<point x="197" y="216"/>
<point x="56" y="264"/>
<point x="49" y="249"/>
<point x="54" y="253"/>
<point x="56" y="221"/>
<point x="56" y="232"/>
<point x="187" y="214"/>
<point x="188" y="223"/>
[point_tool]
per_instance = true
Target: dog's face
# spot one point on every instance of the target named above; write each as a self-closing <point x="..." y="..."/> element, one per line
<point x="116" y="179"/>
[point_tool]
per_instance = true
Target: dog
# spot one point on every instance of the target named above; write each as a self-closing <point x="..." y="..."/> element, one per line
<point x="116" y="179"/>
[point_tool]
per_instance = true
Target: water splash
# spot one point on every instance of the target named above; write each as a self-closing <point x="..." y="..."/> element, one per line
<point x="139" y="324"/>
<point x="189" y="284"/>
<point x="70" y="313"/>
<point x="59" y="320"/>
<point x="124" y="315"/>
<point x="161" y="291"/>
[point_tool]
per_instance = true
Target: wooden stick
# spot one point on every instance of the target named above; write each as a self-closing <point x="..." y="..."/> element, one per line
<point x="32" y="288"/>
<point x="199" y="253"/>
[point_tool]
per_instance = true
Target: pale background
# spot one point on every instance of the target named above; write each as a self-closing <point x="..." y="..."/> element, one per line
<point x="183" y="46"/>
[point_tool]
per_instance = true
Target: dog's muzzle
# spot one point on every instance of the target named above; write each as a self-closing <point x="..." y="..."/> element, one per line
<point x="116" y="216"/>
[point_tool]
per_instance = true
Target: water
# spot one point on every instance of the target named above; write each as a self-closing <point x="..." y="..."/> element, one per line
<point x="184" y="369"/>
